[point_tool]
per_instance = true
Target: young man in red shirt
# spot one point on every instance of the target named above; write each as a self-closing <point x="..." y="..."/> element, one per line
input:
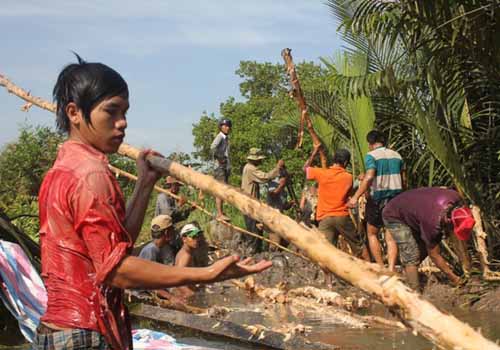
<point x="86" y="231"/>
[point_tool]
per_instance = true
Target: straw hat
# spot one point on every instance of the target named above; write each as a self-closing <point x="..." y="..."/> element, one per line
<point x="255" y="154"/>
<point x="161" y="222"/>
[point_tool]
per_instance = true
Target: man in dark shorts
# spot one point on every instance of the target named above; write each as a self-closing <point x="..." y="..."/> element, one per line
<point x="384" y="178"/>
<point x="419" y="219"/>
<point x="334" y="186"/>
<point x="220" y="151"/>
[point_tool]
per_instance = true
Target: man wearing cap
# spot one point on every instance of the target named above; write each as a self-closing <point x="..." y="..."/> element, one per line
<point x="220" y="152"/>
<point x="158" y="250"/>
<point x="418" y="219"/>
<point x="251" y="179"/>
<point x="332" y="214"/>
<point x="167" y="205"/>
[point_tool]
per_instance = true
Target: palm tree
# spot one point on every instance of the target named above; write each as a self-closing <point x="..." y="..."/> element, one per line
<point x="433" y="77"/>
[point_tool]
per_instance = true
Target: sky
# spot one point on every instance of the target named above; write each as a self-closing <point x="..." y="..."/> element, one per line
<point x="178" y="57"/>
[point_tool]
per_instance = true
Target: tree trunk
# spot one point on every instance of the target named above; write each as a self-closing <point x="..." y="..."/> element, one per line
<point x="420" y="315"/>
<point x="301" y="101"/>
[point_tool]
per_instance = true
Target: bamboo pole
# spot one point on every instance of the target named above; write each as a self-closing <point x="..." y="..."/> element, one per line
<point x="415" y="312"/>
<point x="203" y="210"/>
<point x="301" y="101"/>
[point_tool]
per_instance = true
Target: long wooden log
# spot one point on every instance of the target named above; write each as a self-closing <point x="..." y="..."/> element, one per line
<point x="444" y="330"/>
<point x="416" y="312"/>
<point x="203" y="210"/>
<point x="301" y="101"/>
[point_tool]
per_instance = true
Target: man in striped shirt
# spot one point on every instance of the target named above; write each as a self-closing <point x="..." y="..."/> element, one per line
<point x="384" y="179"/>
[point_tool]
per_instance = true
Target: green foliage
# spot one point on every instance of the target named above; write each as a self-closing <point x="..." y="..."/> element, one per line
<point x="256" y="120"/>
<point x="23" y="163"/>
<point x="433" y="72"/>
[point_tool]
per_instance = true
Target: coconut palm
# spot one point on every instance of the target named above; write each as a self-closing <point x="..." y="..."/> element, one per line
<point x="433" y="77"/>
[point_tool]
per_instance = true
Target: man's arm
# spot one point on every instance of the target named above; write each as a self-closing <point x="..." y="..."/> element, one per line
<point x="363" y="187"/>
<point x="133" y="273"/>
<point x="437" y="258"/>
<point x="263" y="177"/>
<point x="308" y="162"/>
<point x="138" y="203"/>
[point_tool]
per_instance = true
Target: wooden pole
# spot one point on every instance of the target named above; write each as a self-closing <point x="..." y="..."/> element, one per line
<point x="301" y="101"/>
<point x="415" y="312"/>
<point x="203" y="210"/>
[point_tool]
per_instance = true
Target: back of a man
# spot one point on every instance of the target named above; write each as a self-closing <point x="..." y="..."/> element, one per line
<point x="383" y="180"/>
<point x="388" y="165"/>
<point x="334" y="187"/>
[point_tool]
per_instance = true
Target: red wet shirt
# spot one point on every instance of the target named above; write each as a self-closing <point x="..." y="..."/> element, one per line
<point x="82" y="240"/>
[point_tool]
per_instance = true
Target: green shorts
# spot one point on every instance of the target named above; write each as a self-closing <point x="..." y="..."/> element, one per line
<point x="332" y="226"/>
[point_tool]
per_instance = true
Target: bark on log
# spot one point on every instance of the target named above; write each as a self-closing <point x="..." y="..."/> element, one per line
<point x="203" y="210"/>
<point x="480" y="239"/>
<point x="416" y="312"/>
<point x="444" y="330"/>
<point x="301" y="101"/>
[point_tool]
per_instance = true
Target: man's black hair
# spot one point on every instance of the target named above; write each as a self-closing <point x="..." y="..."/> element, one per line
<point x="342" y="156"/>
<point x="85" y="84"/>
<point x="375" y="136"/>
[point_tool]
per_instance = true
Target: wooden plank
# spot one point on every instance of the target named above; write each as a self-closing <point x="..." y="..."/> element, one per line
<point x="226" y="329"/>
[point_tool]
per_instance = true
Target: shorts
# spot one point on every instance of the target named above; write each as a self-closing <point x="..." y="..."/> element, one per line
<point x="73" y="339"/>
<point x="222" y="174"/>
<point x="411" y="251"/>
<point x="332" y="226"/>
<point x="374" y="209"/>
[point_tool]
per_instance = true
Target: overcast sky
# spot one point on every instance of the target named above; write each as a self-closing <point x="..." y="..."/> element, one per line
<point x="178" y="57"/>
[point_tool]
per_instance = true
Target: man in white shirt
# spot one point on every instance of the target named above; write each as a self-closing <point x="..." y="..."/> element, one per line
<point x="220" y="151"/>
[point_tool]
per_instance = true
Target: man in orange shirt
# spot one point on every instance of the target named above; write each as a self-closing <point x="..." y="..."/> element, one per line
<point x="334" y="187"/>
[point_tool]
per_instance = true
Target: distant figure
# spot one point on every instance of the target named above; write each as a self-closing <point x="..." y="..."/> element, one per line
<point x="384" y="178"/>
<point x="419" y="219"/>
<point x="159" y="250"/>
<point x="251" y="179"/>
<point x="277" y="199"/>
<point x="191" y="236"/>
<point x="167" y="205"/>
<point x="334" y="186"/>
<point x="220" y="151"/>
<point x="308" y="203"/>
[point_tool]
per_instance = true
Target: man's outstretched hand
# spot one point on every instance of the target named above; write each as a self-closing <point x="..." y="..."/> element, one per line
<point x="233" y="267"/>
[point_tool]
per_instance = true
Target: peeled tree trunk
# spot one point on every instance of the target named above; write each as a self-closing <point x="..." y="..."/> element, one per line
<point x="420" y="315"/>
<point x="444" y="330"/>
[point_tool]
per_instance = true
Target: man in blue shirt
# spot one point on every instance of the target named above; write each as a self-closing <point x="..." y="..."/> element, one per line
<point x="384" y="179"/>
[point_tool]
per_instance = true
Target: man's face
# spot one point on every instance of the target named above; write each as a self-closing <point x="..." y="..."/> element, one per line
<point x="108" y="122"/>
<point x="226" y="129"/>
<point x="169" y="234"/>
<point x="191" y="242"/>
<point x="174" y="188"/>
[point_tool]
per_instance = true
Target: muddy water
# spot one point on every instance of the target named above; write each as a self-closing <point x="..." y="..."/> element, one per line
<point x="250" y="311"/>
<point x="247" y="310"/>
